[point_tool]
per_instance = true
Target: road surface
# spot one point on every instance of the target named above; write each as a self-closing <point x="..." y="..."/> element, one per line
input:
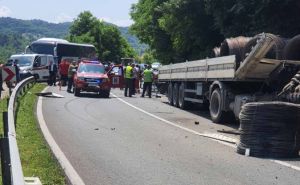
<point x="142" y="141"/>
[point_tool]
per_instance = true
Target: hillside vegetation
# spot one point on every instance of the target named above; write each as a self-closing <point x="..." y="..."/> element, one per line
<point x="15" y="34"/>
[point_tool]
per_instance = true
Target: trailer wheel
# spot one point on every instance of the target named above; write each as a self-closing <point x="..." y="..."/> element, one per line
<point x="215" y="106"/>
<point x="170" y="94"/>
<point x="181" y="102"/>
<point x="175" y="94"/>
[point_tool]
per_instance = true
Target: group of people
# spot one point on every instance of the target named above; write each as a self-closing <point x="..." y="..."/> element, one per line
<point x="66" y="72"/>
<point x="133" y="74"/>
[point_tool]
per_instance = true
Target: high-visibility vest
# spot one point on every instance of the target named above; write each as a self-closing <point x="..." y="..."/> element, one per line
<point x="148" y="76"/>
<point x="128" y="72"/>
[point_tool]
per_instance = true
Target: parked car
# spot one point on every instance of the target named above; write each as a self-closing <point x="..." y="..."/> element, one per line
<point x="91" y="77"/>
<point x="155" y="65"/>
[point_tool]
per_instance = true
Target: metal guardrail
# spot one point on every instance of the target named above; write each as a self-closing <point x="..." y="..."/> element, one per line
<point x="12" y="173"/>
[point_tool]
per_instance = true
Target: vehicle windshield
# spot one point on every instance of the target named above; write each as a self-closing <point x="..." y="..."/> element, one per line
<point x="91" y="68"/>
<point x="23" y="61"/>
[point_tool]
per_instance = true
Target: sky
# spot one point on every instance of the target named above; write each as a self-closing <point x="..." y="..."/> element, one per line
<point x="57" y="11"/>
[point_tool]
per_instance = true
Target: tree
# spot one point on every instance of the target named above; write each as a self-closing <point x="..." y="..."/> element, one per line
<point x="191" y="29"/>
<point x="249" y="17"/>
<point x="146" y="27"/>
<point x="175" y="30"/>
<point x="107" y="39"/>
<point x="84" y="23"/>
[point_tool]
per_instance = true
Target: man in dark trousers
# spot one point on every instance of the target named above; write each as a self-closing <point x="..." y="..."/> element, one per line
<point x="71" y="72"/>
<point x="52" y="73"/>
<point x="129" y="80"/>
<point x="148" y="79"/>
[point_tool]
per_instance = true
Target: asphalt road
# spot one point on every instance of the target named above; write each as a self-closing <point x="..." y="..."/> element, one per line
<point x="110" y="142"/>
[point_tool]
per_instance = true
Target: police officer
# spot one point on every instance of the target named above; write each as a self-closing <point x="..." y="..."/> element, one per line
<point x="148" y="79"/>
<point x="129" y="80"/>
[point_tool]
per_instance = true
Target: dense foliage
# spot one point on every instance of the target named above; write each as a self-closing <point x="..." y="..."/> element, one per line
<point x="179" y="30"/>
<point x="110" y="45"/>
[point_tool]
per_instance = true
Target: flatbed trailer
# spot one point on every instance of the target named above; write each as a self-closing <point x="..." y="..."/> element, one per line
<point x="222" y="86"/>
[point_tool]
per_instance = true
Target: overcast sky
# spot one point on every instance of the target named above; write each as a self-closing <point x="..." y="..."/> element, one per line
<point x="113" y="11"/>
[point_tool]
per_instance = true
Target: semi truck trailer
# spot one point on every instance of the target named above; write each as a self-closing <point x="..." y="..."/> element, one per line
<point x="224" y="84"/>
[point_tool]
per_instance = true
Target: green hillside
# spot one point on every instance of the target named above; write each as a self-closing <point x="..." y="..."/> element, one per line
<point x="15" y="34"/>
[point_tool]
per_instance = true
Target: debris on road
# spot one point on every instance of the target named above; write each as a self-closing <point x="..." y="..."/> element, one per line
<point x="234" y="132"/>
<point x="49" y="94"/>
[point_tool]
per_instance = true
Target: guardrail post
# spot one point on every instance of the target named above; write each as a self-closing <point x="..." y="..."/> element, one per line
<point x="5" y="156"/>
<point x="5" y="161"/>
<point x="5" y="124"/>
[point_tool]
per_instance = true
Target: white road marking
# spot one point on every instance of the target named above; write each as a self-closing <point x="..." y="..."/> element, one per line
<point x="69" y="170"/>
<point x="286" y="164"/>
<point x="200" y="134"/>
<point x="216" y="137"/>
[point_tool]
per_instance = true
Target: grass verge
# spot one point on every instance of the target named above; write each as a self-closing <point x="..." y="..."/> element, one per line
<point x="36" y="157"/>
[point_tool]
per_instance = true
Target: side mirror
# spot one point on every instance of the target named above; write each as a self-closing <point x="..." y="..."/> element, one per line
<point x="35" y="64"/>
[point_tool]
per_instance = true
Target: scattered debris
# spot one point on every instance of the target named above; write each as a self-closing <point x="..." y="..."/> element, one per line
<point x="234" y="132"/>
<point x="96" y="129"/>
<point x="112" y="128"/>
<point x="49" y="94"/>
<point x="186" y="136"/>
<point x="196" y="122"/>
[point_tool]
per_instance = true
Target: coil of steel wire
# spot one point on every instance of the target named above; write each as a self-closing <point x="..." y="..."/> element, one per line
<point x="234" y="46"/>
<point x="276" y="51"/>
<point x="292" y="49"/>
<point x="270" y="129"/>
<point x="215" y="52"/>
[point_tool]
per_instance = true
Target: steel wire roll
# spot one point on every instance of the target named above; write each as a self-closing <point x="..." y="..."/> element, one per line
<point x="215" y="52"/>
<point x="234" y="46"/>
<point x="292" y="49"/>
<point x="276" y="52"/>
<point x="270" y="129"/>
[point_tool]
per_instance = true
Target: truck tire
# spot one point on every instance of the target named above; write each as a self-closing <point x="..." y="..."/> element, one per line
<point x="104" y="94"/>
<point x="170" y="94"/>
<point x="76" y="92"/>
<point x="175" y="95"/>
<point x="215" y="106"/>
<point x="181" y="102"/>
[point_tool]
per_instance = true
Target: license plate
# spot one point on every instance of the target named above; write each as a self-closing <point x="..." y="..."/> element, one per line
<point x="93" y="84"/>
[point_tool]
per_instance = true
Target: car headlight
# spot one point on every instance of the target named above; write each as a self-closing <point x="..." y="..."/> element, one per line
<point x="24" y="71"/>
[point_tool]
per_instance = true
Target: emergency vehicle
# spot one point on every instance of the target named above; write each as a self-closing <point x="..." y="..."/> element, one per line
<point x="91" y="77"/>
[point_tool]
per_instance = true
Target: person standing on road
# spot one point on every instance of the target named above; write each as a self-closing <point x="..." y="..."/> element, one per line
<point x="63" y="72"/>
<point x="148" y="79"/>
<point x="1" y="80"/>
<point x="137" y="76"/>
<point x="71" y="73"/>
<point x="129" y="80"/>
<point x="52" y="73"/>
<point x="17" y="68"/>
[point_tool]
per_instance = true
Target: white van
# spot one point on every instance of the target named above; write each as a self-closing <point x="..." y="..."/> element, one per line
<point x="32" y="64"/>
